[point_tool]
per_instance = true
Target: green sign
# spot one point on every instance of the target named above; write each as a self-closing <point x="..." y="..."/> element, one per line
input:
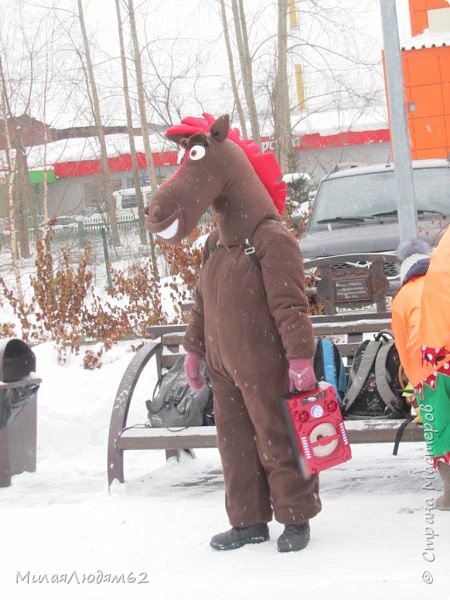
<point x="38" y="176"/>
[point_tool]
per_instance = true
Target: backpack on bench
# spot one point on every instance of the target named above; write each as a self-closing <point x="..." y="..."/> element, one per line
<point x="375" y="387"/>
<point x="175" y="404"/>
<point x="329" y="366"/>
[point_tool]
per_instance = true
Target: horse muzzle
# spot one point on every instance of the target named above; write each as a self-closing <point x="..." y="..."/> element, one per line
<point x="167" y="228"/>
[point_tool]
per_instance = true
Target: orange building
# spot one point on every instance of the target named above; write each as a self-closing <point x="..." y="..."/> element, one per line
<point x="426" y="74"/>
<point x="429" y="14"/>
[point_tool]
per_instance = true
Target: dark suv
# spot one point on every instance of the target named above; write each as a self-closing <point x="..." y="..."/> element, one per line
<point x="355" y="209"/>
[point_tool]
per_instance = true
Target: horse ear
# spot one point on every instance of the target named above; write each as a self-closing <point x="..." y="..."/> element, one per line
<point x="219" y="129"/>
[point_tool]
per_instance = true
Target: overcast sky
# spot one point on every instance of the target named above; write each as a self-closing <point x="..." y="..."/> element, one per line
<point x="185" y="37"/>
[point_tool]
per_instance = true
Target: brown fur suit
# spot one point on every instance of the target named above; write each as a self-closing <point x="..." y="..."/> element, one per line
<point x="248" y="320"/>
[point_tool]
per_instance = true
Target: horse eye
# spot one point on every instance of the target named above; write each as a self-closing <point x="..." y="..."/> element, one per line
<point x="180" y="155"/>
<point x="197" y="152"/>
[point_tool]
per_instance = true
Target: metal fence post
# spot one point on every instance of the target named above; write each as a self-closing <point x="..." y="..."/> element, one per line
<point x="106" y="256"/>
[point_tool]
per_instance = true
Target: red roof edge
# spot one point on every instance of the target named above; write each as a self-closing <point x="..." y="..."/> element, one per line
<point x="302" y="143"/>
<point x="314" y="141"/>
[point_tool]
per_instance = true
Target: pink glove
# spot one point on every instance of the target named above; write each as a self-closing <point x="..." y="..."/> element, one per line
<point x="301" y="375"/>
<point x="192" y="364"/>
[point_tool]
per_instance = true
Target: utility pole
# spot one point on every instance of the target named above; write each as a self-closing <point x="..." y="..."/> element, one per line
<point x="406" y="202"/>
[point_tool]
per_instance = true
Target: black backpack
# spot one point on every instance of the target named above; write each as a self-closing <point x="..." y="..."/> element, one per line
<point x="375" y="387"/>
<point x="174" y="404"/>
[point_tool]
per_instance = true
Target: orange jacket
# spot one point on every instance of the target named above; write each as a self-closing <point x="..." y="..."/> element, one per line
<point x="434" y="331"/>
<point x="406" y="316"/>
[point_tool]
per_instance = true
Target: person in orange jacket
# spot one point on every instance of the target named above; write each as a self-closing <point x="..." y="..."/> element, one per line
<point x="416" y="310"/>
<point x="406" y="308"/>
<point x="434" y="335"/>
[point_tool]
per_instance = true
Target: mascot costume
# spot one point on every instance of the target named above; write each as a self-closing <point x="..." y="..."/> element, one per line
<point x="249" y="323"/>
<point x="421" y="327"/>
<point x="434" y="335"/>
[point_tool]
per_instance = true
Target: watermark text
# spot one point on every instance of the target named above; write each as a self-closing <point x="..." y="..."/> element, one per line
<point x="98" y="577"/>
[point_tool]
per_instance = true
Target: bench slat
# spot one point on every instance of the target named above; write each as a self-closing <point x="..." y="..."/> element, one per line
<point x="359" y="432"/>
<point x="322" y="325"/>
<point x="168" y="360"/>
<point x="142" y="438"/>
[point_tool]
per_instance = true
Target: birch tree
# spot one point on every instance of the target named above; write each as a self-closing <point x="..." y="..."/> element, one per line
<point x="17" y="81"/>
<point x="282" y="110"/>
<point x="21" y="194"/>
<point x="129" y="114"/>
<point x="141" y="96"/>
<point x="10" y="182"/>
<point x="234" y="85"/>
<point x="106" y="178"/>
<point x="144" y="123"/>
<point x="240" y="26"/>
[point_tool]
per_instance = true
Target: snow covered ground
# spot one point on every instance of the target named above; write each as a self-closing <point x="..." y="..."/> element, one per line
<point x="377" y="537"/>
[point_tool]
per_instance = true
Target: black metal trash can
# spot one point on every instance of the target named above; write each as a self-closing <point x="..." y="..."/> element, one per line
<point x="18" y="409"/>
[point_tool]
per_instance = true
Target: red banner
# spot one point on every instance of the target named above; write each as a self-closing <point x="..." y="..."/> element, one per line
<point x="302" y="143"/>
<point x="78" y="168"/>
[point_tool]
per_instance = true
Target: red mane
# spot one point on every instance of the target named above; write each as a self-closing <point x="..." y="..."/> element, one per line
<point x="265" y="164"/>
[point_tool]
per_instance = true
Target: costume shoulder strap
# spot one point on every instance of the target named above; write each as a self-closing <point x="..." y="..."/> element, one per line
<point x="210" y="245"/>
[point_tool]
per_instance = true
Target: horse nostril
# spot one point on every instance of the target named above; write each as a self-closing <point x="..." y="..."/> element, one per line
<point x="154" y="212"/>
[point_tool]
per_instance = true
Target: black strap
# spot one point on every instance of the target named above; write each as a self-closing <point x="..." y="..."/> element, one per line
<point x="399" y="435"/>
<point x="359" y="376"/>
<point x="210" y="245"/>
<point x="385" y="335"/>
<point x="249" y="250"/>
<point x="388" y="396"/>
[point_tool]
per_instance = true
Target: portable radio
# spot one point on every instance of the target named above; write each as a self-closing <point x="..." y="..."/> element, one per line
<point x="317" y="429"/>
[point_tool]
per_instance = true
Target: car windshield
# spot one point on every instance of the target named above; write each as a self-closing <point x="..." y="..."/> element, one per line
<point x="368" y="196"/>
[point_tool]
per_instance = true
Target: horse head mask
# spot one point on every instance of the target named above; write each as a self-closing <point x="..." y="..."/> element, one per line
<point x="221" y="171"/>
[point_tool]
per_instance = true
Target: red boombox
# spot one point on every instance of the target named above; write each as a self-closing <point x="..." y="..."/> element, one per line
<point x="317" y="429"/>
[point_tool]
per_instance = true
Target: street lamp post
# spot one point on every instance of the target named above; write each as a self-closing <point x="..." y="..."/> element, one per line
<point x="406" y="203"/>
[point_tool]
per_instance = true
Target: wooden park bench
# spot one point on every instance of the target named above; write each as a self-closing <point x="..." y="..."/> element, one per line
<point x="166" y="349"/>
<point x="355" y="287"/>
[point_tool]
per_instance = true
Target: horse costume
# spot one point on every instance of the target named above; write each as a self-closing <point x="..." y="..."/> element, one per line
<point x="249" y="322"/>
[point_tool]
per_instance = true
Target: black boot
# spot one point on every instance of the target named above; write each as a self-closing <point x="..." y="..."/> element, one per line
<point x="294" y="537"/>
<point x="239" y="536"/>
